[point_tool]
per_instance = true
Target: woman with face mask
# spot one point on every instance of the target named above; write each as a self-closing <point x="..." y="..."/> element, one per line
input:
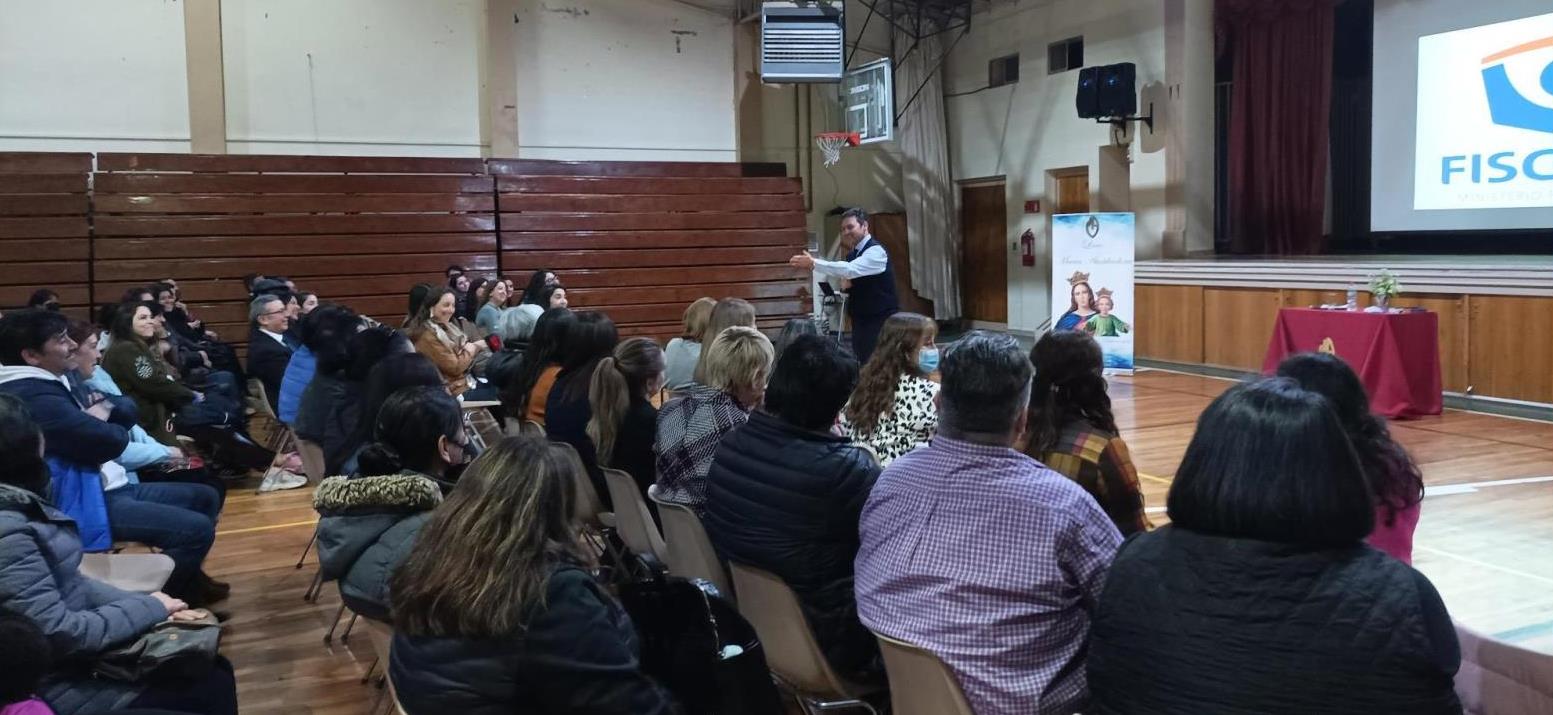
<point x="892" y="409"/>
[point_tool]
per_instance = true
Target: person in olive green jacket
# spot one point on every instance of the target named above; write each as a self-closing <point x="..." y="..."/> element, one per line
<point x="142" y="375"/>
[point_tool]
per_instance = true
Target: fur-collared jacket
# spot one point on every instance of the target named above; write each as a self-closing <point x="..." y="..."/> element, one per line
<point x="367" y="527"/>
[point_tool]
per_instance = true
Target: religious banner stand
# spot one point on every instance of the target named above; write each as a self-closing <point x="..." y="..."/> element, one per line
<point x="1092" y="281"/>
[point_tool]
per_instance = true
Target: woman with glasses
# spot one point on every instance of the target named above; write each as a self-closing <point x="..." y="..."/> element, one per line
<point x="368" y="523"/>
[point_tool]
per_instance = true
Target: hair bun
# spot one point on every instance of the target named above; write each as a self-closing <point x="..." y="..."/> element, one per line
<point x="377" y="459"/>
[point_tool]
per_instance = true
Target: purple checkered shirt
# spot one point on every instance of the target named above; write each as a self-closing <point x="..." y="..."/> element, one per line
<point x="994" y="563"/>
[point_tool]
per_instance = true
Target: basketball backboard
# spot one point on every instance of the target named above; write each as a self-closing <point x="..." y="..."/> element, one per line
<point x="868" y="101"/>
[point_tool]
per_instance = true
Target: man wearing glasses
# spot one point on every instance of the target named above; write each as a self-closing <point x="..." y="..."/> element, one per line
<point x="268" y="352"/>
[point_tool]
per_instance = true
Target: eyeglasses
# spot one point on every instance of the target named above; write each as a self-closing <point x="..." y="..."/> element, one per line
<point x="282" y="311"/>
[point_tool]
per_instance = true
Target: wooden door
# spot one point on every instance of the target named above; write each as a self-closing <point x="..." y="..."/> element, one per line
<point x="1072" y="194"/>
<point x="984" y="258"/>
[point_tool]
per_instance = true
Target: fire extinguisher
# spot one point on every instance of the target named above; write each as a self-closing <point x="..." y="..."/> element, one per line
<point x="1027" y="248"/>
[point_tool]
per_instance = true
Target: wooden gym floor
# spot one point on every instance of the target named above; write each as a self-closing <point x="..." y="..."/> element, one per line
<point x="1484" y="540"/>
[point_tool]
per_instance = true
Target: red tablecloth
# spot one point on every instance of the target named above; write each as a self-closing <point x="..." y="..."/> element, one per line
<point x="1397" y="355"/>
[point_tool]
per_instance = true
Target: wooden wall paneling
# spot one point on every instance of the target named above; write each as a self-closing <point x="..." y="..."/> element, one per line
<point x="641" y="240"/>
<point x="357" y="230"/>
<point x="45" y="239"/>
<point x="1237" y="324"/>
<point x="1169" y="323"/>
<point x="1510" y="347"/>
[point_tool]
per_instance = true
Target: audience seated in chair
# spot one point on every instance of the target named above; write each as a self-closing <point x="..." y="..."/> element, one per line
<point x="495" y="609"/>
<point x="367" y="524"/>
<point x="538" y="281"/>
<point x="37" y="353"/>
<point x="684" y="352"/>
<point x="981" y="555"/>
<point x="726" y="313"/>
<point x="1261" y="596"/>
<point x="330" y="413"/>
<point x="784" y="494"/>
<point x="793" y="329"/>
<point x="735" y="367"/>
<point x="1072" y="431"/>
<point x="1395" y="482"/>
<point x="892" y="410"/>
<point x="437" y="336"/>
<point x="395" y="372"/>
<point x="590" y="339"/>
<point x="78" y="617"/>
<point x="303" y="365"/>
<point x="515" y="327"/>
<point x="624" y="422"/>
<point x="269" y="345"/>
<point x="529" y="388"/>
<point x="491" y="310"/>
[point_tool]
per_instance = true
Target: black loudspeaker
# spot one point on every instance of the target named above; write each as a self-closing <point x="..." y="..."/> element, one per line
<point x="1089" y="93"/>
<point x="1118" y="90"/>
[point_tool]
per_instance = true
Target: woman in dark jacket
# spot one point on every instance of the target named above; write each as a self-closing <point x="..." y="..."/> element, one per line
<point x="330" y="413"/>
<point x="590" y="340"/>
<point x="624" y="422"/>
<point x="784" y="495"/>
<point x="40" y="580"/>
<point x="142" y="375"/>
<point x="495" y="610"/>
<point x="515" y="327"/>
<point x="367" y="524"/>
<point x="1261" y="595"/>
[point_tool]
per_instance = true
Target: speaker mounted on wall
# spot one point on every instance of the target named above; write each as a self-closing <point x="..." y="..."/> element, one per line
<point x="1109" y="94"/>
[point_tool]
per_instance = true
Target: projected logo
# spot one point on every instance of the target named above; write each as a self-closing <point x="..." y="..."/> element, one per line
<point x="1485" y="117"/>
<point x="1508" y="106"/>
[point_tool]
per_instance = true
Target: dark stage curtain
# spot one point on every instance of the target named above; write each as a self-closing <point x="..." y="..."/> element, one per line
<point x="1281" y="52"/>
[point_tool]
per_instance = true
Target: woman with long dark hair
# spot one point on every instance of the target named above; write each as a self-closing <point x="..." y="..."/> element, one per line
<point x="1395" y="481"/>
<point x="495" y="609"/>
<point x="367" y="524"/>
<point x="393" y="373"/>
<point x="892" y="408"/>
<point x="1072" y="430"/>
<point x="537" y="283"/>
<point x="590" y="339"/>
<point x="528" y="391"/>
<point x="332" y="404"/>
<point x="474" y="299"/>
<point x="438" y="337"/>
<point x="1261" y="596"/>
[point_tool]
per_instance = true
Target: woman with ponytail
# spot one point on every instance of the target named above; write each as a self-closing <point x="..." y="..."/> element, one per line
<point x="624" y="421"/>
<point x="590" y="340"/>
<point x="368" y="523"/>
<point x="1072" y="430"/>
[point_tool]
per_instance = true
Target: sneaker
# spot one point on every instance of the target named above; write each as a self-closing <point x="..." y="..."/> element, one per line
<point x="277" y="479"/>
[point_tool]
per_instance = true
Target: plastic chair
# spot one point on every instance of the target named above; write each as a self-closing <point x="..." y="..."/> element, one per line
<point x="280" y="433"/>
<point x="530" y="427"/>
<point x="920" y="683"/>
<point x="1499" y="678"/>
<point x="313" y="463"/>
<point x="143" y="573"/>
<point x="688" y="551"/>
<point x="632" y="517"/>
<point x="791" y="651"/>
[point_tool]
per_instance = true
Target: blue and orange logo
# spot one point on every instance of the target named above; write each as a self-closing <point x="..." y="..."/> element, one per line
<point x="1506" y="104"/>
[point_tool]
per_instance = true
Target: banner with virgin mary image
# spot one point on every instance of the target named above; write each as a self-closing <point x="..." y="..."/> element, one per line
<point x="1092" y="274"/>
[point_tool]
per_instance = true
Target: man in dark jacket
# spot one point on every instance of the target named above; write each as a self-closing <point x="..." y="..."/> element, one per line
<point x="784" y="495"/>
<point x="268" y="349"/>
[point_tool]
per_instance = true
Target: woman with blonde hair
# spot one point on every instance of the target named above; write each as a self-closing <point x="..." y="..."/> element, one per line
<point x="736" y="366"/>
<point x="437" y="336"/>
<point x="728" y="312"/>
<point x="624" y="421"/>
<point x="495" y="609"/>
<point x="892" y="409"/>
<point x="685" y="351"/>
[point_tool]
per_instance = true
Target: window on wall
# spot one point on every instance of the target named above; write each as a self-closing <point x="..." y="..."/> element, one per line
<point x="1065" y="55"/>
<point x="1003" y="70"/>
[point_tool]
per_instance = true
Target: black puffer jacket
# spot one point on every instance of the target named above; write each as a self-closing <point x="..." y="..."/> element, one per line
<point x="787" y="500"/>
<point x="1201" y="625"/>
<point x="503" y="366"/>
<point x="577" y="655"/>
<point x="366" y="528"/>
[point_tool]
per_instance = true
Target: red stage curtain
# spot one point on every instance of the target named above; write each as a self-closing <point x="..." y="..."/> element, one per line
<point x="1279" y="122"/>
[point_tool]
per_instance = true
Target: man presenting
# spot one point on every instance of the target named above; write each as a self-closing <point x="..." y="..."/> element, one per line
<point x="870" y="282"/>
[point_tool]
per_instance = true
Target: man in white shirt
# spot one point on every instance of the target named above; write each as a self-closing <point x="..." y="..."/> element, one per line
<point x="869" y="281"/>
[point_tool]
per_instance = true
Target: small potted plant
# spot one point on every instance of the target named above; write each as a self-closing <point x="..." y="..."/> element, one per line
<point x="1384" y="287"/>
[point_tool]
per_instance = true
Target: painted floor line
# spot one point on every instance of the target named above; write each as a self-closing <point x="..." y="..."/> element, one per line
<point x="1440" y="490"/>
<point x="1483" y="564"/>
<point x="270" y="527"/>
<point x="1153" y="478"/>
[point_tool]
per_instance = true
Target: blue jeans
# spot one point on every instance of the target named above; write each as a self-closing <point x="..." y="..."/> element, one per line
<point x="177" y="518"/>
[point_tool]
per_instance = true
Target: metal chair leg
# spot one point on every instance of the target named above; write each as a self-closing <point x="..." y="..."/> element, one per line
<point x="368" y="677"/>
<point x="310" y="541"/>
<point x="329" y="637"/>
<point x="348" y="626"/>
<point x="311" y="594"/>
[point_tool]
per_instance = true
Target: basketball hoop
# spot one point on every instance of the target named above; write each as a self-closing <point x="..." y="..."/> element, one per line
<point x="831" y="144"/>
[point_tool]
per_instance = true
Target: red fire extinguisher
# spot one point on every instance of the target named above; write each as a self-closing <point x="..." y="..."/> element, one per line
<point x="1027" y="248"/>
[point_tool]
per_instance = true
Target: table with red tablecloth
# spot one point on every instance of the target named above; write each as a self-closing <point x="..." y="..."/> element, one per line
<point x="1397" y="355"/>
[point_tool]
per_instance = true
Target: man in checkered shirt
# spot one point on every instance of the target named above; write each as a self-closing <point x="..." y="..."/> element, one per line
<point x="981" y="554"/>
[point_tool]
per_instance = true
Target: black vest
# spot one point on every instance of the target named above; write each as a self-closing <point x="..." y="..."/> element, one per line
<point x="872" y="295"/>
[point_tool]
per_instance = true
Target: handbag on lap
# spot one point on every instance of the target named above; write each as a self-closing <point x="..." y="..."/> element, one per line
<point x="170" y="649"/>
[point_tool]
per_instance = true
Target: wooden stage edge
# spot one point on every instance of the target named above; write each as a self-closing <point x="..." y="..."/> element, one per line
<point x="1495" y="313"/>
